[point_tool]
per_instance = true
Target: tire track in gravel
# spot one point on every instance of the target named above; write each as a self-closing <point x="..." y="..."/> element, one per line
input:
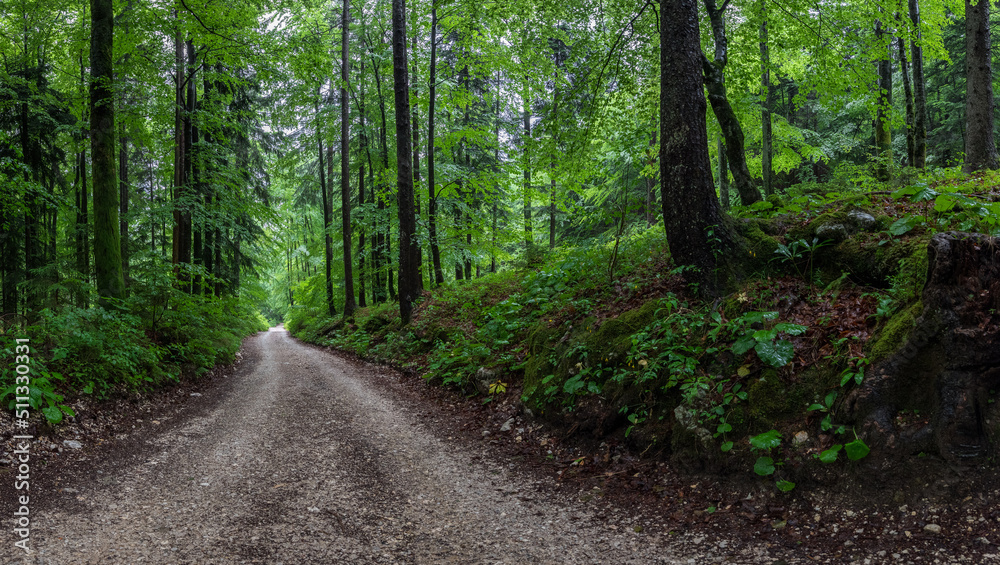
<point x="303" y="461"/>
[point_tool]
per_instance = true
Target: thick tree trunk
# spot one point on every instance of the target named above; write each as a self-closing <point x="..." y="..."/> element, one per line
<point x="408" y="287"/>
<point x="431" y="188"/>
<point x="919" y="91"/>
<point x="690" y="208"/>
<point x="345" y="171"/>
<point x="947" y="367"/>
<point x="107" y="248"/>
<point x="883" y="110"/>
<point x="715" y="83"/>
<point x="980" y="148"/>
<point x="908" y="96"/>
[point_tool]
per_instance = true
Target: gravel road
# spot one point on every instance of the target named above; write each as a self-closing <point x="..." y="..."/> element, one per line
<point x="305" y="459"/>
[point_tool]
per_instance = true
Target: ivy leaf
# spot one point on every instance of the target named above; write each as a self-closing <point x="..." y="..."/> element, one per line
<point x="776" y="354"/>
<point x="856" y="449"/>
<point x="764" y="466"/>
<point x="766" y="440"/>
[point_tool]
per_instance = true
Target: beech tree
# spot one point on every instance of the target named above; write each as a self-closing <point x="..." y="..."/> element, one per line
<point x="107" y="247"/>
<point x="408" y="249"/>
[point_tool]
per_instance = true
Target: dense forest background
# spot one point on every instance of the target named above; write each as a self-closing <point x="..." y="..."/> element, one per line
<point x="177" y="174"/>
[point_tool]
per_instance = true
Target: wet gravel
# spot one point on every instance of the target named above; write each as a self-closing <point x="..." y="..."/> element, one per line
<point x="306" y="457"/>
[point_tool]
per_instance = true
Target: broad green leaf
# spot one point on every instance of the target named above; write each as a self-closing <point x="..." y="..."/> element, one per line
<point x="900" y="226"/>
<point x="784" y="486"/>
<point x="791" y="329"/>
<point x="53" y="414"/>
<point x="856" y="449"/>
<point x="765" y="335"/>
<point x="744" y="344"/>
<point x="764" y="466"/>
<point x="766" y="440"/>
<point x="776" y="354"/>
<point x="830" y="455"/>
<point x="726" y="446"/>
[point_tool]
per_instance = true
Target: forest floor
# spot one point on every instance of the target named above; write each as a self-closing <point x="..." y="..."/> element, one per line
<point x="300" y="455"/>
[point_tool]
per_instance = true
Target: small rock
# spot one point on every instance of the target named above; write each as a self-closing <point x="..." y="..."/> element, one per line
<point x="486" y="433"/>
<point x="507" y="425"/>
<point x="779" y="524"/>
<point x="195" y="394"/>
<point x="862" y="221"/>
<point x="204" y="484"/>
<point x="835" y="232"/>
<point x="73" y="444"/>
<point x="313" y="509"/>
<point x="800" y="438"/>
<point x="932" y="528"/>
<point x="70" y="490"/>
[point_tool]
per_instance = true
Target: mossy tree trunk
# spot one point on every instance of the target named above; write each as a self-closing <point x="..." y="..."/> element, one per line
<point x="947" y="367"/>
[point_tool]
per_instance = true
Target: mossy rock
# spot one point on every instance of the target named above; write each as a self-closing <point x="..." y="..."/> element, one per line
<point x="893" y="335"/>
<point x="611" y="341"/>
<point x="375" y="323"/>
<point x="871" y="261"/>
<point x="760" y="244"/>
<point x="770" y="398"/>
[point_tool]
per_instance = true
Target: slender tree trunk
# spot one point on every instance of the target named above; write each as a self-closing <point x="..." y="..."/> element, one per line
<point x="327" y="214"/>
<point x="83" y="227"/>
<point x="715" y="82"/>
<point x="345" y="171"/>
<point x="107" y="248"/>
<point x="361" y="232"/>
<point x="883" y="130"/>
<point x="980" y="148"/>
<point x="431" y="188"/>
<point x="651" y="182"/>
<point x="908" y="96"/>
<point x="123" y="201"/>
<point x="528" y="239"/>
<point x="723" y="174"/>
<point x="182" y="214"/>
<point x="919" y="91"/>
<point x="408" y="287"/>
<point x="765" y="109"/>
<point x="416" y="153"/>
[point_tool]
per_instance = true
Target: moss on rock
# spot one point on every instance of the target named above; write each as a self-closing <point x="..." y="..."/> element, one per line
<point x="893" y="335"/>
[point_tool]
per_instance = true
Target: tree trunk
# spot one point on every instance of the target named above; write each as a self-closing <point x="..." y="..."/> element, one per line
<point x="107" y="248"/>
<point x="431" y="188"/>
<point x="765" y="109"/>
<point x="416" y="154"/>
<point x="327" y="214"/>
<point x="908" y="95"/>
<point x="361" y="233"/>
<point x="690" y="209"/>
<point x="528" y="239"/>
<point x="715" y="83"/>
<point x="181" y="257"/>
<point x="723" y="174"/>
<point x="947" y="366"/>
<point x="919" y="91"/>
<point x="980" y="149"/>
<point x="123" y="201"/>
<point x="883" y="110"/>
<point x="345" y="170"/>
<point x="408" y="287"/>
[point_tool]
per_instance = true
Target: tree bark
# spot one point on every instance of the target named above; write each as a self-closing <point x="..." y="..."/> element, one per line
<point x="883" y="110"/>
<point x="361" y="235"/>
<point x="431" y="188"/>
<point x="528" y="239"/>
<point x="181" y="240"/>
<point x="345" y="171"/>
<point x="690" y="209"/>
<point x="715" y="83"/>
<point x="908" y="96"/>
<point x="723" y="174"/>
<point x="765" y="110"/>
<point x="408" y="287"/>
<point x="980" y="148"/>
<point x="327" y="215"/>
<point x="107" y="248"/>
<point x="919" y="91"/>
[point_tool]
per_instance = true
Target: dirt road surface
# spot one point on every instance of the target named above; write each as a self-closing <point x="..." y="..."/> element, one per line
<point x="303" y="457"/>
